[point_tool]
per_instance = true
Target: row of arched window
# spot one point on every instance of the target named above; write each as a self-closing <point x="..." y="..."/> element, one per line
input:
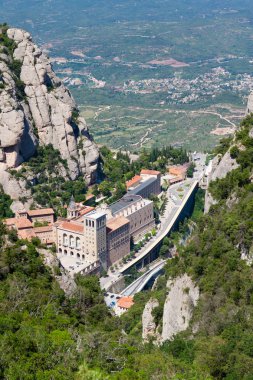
<point x="71" y="241"/>
<point x="65" y="252"/>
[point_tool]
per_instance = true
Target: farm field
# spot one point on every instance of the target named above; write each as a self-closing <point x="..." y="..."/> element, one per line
<point x="148" y="72"/>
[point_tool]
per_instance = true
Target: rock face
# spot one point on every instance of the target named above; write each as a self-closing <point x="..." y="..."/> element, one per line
<point x="250" y="104"/>
<point x="148" y="323"/>
<point x="182" y="298"/>
<point x="36" y="108"/>
<point x="221" y="169"/>
<point x="65" y="281"/>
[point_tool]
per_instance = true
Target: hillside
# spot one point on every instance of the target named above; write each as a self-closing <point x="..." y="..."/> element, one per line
<point x="37" y="110"/>
<point x="46" y="335"/>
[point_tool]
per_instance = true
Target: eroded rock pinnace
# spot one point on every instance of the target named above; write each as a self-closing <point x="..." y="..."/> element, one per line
<point x="36" y="108"/>
<point x="182" y="298"/>
<point x="148" y="322"/>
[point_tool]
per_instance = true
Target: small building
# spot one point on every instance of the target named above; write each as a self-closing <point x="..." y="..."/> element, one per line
<point x="26" y="230"/>
<point x="132" y="183"/>
<point x="145" y="184"/>
<point x="45" y="234"/>
<point x="118" y="239"/>
<point x="123" y="305"/>
<point x="41" y="215"/>
<point x="178" y="170"/>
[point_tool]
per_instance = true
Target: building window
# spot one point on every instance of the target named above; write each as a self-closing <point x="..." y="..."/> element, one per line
<point x="65" y="252"/>
<point x="72" y="254"/>
<point x="72" y="241"/>
<point x="65" y="239"/>
<point x="78" y="255"/>
<point x="60" y="250"/>
<point x="78" y="243"/>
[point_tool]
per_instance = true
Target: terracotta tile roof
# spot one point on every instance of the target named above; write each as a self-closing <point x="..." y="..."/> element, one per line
<point x="150" y="172"/>
<point x="115" y="223"/>
<point x="42" y="211"/>
<point x="86" y="209"/>
<point x="19" y="223"/>
<point x="26" y="234"/>
<point x="43" y="229"/>
<point x="22" y="223"/>
<point x="72" y="226"/>
<point x="125" y="302"/>
<point x="178" y="169"/>
<point x="133" y="181"/>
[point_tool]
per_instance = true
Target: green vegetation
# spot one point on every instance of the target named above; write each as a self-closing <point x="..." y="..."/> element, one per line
<point x="190" y="170"/>
<point x="8" y="46"/>
<point x="38" y="324"/>
<point x="239" y="178"/>
<point x="117" y="168"/>
<point x="5" y="42"/>
<point x="46" y="175"/>
<point x="46" y="335"/>
<point x="5" y="203"/>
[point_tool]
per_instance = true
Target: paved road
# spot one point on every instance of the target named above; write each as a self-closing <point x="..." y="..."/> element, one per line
<point x="140" y="283"/>
<point x="177" y="196"/>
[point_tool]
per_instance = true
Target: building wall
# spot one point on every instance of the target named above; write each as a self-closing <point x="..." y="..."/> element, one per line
<point x="42" y="218"/>
<point x="118" y="244"/>
<point x="151" y="188"/>
<point x="45" y="236"/>
<point x="141" y="218"/>
<point x="95" y="238"/>
<point x="71" y="244"/>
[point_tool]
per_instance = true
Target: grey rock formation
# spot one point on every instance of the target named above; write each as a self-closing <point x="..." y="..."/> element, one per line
<point x="180" y="302"/>
<point x="250" y="104"/>
<point x="65" y="281"/>
<point x="41" y="114"/>
<point x="221" y="169"/>
<point x="148" y="323"/>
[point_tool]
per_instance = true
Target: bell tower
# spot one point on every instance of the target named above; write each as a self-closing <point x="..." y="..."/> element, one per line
<point x="72" y="210"/>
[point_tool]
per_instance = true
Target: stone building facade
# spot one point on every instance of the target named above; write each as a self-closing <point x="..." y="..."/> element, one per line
<point x="118" y="239"/>
<point x="83" y="241"/>
<point x="139" y="212"/>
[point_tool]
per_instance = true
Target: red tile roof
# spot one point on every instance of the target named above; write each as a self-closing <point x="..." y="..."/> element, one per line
<point x="115" y="223"/>
<point x="72" y="226"/>
<point x="26" y="234"/>
<point x="43" y="229"/>
<point x="133" y="181"/>
<point x="19" y="223"/>
<point x="42" y="211"/>
<point x="125" y="302"/>
<point x="150" y="172"/>
<point x="85" y="210"/>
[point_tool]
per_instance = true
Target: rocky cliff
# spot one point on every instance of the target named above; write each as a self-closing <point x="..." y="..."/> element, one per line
<point x="250" y="104"/>
<point x="220" y="170"/>
<point x="36" y="108"/>
<point x="182" y="298"/>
